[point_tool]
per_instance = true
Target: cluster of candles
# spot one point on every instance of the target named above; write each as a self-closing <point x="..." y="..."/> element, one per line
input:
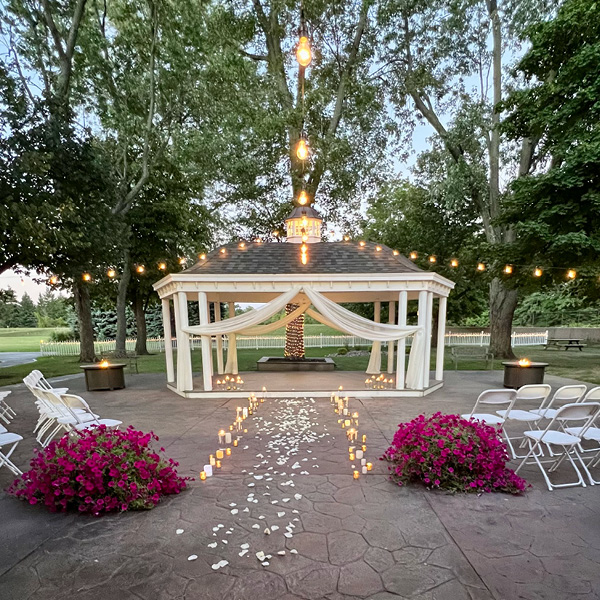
<point x="233" y="382"/>
<point x="348" y="420"/>
<point x="379" y="382"/>
<point x="230" y="439"/>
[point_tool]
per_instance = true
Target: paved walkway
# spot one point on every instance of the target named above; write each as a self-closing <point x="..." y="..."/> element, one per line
<point x="330" y="536"/>
<point x="12" y="359"/>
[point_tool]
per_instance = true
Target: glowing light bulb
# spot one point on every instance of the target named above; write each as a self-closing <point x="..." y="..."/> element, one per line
<point x="395" y="252"/>
<point x="87" y="277"/>
<point x="111" y="273"/>
<point x="302" y="149"/>
<point x="202" y="256"/>
<point x="432" y="259"/>
<point x="140" y="269"/>
<point x="222" y="251"/>
<point x="242" y="245"/>
<point x="346" y="238"/>
<point x="413" y="256"/>
<point x="303" y="52"/>
<point x="571" y="273"/>
<point x="378" y="248"/>
<point x="162" y="266"/>
<point x="508" y="269"/>
<point x="53" y="280"/>
<point x="537" y="272"/>
<point x="480" y="267"/>
<point x="182" y="261"/>
<point x="454" y="263"/>
<point x="362" y="244"/>
<point x="303" y="198"/>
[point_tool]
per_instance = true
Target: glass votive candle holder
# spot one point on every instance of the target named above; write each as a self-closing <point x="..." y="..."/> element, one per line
<point x="369" y="466"/>
<point x="235" y="443"/>
<point x="218" y="465"/>
<point x="227" y="451"/>
<point x="202" y="475"/>
<point x="356" y="474"/>
<point x="352" y="457"/>
<point x="220" y="454"/>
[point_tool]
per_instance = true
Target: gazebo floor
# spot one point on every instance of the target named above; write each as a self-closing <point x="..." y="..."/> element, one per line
<point x="300" y="384"/>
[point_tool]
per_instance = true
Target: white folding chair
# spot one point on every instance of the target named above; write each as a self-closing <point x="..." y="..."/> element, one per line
<point x="555" y="436"/>
<point x="81" y="416"/>
<point x="495" y="397"/>
<point x="12" y="440"/>
<point x="567" y="394"/>
<point x="537" y="392"/>
<point x="7" y="414"/>
<point x="42" y="382"/>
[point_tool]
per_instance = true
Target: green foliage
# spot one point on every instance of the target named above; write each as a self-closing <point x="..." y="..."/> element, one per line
<point x="9" y="309"/>
<point x="27" y="316"/>
<point x="556" y="211"/>
<point x="342" y="351"/>
<point x="63" y="336"/>
<point x="51" y="310"/>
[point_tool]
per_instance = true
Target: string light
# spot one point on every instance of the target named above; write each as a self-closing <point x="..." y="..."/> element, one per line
<point x="537" y="272"/>
<point x="53" y="280"/>
<point x="111" y="273"/>
<point x="480" y="267"/>
<point x="346" y="238"/>
<point x="242" y="245"/>
<point x="378" y="248"/>
<point x="413" y="256"/>
<point x="202" y="257"/>
<point x="395" y="252"/>
<point x="432" y="259"/>
<point x="294" y="335"/>
<point x="162" y="266"/>
<point x="508" y="270"/>
<point x="140" y="269"/>
<point x="454" y="263"/>
<point x="87" y="277"/>
<point x="276" y="233"/>
<point x="302" y="148"/>
<point x="303" y="198"/>
<point x="304" y="253"/>
<point x="362" y="244"/>
<point x="182" y="260"/>
<point x="571" y="274"/>
<point x="222" y="250"/>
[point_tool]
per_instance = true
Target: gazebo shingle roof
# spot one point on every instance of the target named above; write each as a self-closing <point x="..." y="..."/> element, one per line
<point x="284" y="258"/>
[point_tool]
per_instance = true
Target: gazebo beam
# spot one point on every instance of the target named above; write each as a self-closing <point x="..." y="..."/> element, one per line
<point x="184" y="359"/>
<point x="441" y="339"/>
<point x="219" y="340"/>
<point x="166" y="316"/>
<point x="206" y="344"/>
<point x="428" y="335"/>
<point x="391" y="320"/>
<point x="422" y="323"/>
<point x="401" y="358"/>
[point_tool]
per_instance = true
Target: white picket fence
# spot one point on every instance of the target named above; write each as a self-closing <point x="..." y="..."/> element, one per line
<point x="310" y="341"/>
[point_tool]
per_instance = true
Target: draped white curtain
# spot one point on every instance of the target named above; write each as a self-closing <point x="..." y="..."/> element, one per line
<point x="329" y="313"/>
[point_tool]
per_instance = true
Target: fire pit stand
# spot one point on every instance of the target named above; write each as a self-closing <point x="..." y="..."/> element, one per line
<point x="108" y="377"/>
<point x="516" y="375"/>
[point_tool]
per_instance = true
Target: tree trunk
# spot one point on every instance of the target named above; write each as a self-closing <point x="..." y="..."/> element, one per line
<point x="140" y="324"/>
<point x="120" y="348"/>
<point x="503" y="302"/>
<point x="294" y="335"/>
<point x="84" y="318"/>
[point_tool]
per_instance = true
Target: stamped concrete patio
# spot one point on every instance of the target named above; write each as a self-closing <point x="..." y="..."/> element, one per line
<point x="354" y="539"/>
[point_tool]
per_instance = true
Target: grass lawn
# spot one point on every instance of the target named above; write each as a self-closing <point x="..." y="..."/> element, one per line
<point x="584" y="366"/>
<point x="24" y="339"/>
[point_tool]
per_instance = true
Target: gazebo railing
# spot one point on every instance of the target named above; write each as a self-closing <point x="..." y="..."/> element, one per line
<point x="310" y="341"/>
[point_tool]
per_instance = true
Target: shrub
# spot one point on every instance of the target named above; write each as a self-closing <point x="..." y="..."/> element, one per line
<point x="342" y="351"/>
<point x="63" y="335"/>
<point x="99" y="470"/>
<point x="451" y="453"/>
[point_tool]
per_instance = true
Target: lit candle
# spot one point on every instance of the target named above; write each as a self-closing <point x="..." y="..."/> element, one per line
<point x="218" y="465"/>
<point x="356" y="474"/>
<point x="245" y="431"/>
<point x="227" y="451"/>
<point x="235" y="443"/>
<point x="211" y="460"/>
<point x="364" y="447"/>
<point x="369" y="466"/>
<point x="343" y="425"/>
<point x="351" y="449"/>
<point x="228" y="438"/>
<point x="208" y="469"/>
<point x="359" y="454"/>
<point x="202" y="475"/>
<point x="364" y="438"/>
<point x="220" y="454"/>
<point x="231" y="428"/>
<point x="347" y="422"/>
<point x="355" y="415"/>
<point x="221" y="436"/>
<point x="351" y="456"/>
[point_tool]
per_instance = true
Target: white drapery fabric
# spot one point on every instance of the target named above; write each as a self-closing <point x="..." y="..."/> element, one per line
<point x="374" y="366"/>
<point x="329" y="313"/>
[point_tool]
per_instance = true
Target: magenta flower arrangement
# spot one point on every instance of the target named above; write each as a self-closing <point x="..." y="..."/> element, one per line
<point x="97" y="471"/>
<point x="451" y="453"/>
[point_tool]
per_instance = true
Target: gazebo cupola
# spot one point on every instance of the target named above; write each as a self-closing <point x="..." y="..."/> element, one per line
<point x="304" y="223"/>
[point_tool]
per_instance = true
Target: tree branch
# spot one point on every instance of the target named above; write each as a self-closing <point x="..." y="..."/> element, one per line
<point x="256" y="57"/>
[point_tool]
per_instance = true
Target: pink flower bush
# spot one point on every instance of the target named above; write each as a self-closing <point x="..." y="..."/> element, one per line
<point x="99" y="470"/>
<point x="451" y="453"/>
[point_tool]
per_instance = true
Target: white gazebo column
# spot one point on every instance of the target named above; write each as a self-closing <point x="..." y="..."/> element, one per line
<point x="390" y="345"/>
<point x="206" y="343"/>
<point x="422" y="323"/>
<point x="166" y="316"/>
<point x="441" y="339"/>
<point x="428" y="334"/>
<point x="219" y="340"/>
<point x="401" y="358"/>
<point x="184" y="357"/>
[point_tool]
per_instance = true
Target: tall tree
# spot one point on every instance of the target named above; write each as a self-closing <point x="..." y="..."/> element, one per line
<point x="556" y="209"/>
<point x="443" y="63"/>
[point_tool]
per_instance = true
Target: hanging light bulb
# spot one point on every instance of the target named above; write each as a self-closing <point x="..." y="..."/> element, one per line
<point x="508" y="269"/>
<point x="454" y="263"/>
<point x="395" y="252"/>
<point x="303" y="198"/>
<point x="202" y="256"/>
<point x="162" y="266"/>
<point x="432" y="259"/>
<point x="111" y="273"/>
<point x="480" y="267"/>
<point x="362" y="244"/>
<point x="87" y="277"/>
<point x="413" y="256"/>
<point x="571" y="274"/>
<point x="53" y="280"/>
<point x="537" y="272"/>
<point x="182" y="260"/>
<point x="346" y="238"/>
<point x="303" y="52"/>
<point x="140" y="269"/>
<point x="302" y="148"/>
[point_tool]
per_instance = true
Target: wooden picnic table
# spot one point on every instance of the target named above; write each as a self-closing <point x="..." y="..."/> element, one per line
<point x="566" y="343"/>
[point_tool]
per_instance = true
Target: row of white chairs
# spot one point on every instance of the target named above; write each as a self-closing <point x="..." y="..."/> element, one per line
<point x="8" y="438"/>
<point x="7" y="414"/>
<point x="60" y="411"/>
<point x="569" y="403"/>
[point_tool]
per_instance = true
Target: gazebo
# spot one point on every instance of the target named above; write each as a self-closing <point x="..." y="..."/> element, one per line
<point x="313" y="277"/>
